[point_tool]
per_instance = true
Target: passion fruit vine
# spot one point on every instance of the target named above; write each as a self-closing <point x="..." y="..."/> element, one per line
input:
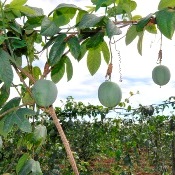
<point x="109" y="94"/>
<point x="161" y="75"/>
<point x="44" y="92"/>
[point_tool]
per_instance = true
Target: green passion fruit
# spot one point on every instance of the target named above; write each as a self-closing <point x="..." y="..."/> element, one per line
<point x="161" y="75"/>
<point x="44" y="92"/>
<point x="109" y="94"/>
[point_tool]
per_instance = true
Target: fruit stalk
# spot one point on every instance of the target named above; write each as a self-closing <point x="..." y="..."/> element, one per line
<point x="70" y="156"/>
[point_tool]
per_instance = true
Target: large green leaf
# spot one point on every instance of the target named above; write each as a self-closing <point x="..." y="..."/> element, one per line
<point x="40" y="133"/>
<point x="14" y="102"/>
<point x="58" y="70"/>
<point x="123" y="7"/>
<point x="74" y="46"/>
<point x="131" y="34"/>
<point x="64" y="6"/>
<point x="95" y="40"/>
<point x="112" y="29"/>
<point x="17" y="3"/>
<point x="143" y="22"/>
<point x="4" y="94"/>
<point x="19" y="118"/>
<point x="6" y="73"/>
<point x="166" y="22"/>
<point x="33" y="22"/>
<point x="69" y="68"/>
<point x="89" y="20"/>
<point x="21" y="162"/>
<point x="37" y="12"/>
<point x="62" y="16"/>
<point x="16" y="27"/>
<point x="93" y="60"/>
<point x="166" y="3"/>
<point x="128" y="6"/>
<point x="105" y="51"/>
<point x="48" y="27"/>
<point x="31" y="166"/>
<point x="57" y="49"/>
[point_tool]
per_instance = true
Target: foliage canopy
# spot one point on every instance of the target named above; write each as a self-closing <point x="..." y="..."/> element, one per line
<point x="67" y="29"/>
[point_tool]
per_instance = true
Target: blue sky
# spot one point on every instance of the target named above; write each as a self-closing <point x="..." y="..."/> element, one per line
<point x="136" y="70"/>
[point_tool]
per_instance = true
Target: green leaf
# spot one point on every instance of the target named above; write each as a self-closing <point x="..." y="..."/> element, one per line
<point x="33" y="22"/>
<point x="63" y="16"/>
<point x="166" y="3"/>
<point x="21" y="162"/>
<point x="40" y="133"/>
<point x="18" y="43"/>
<point x="83" y="49"/>
<point x="166" y="22"/>
<point x="28" y="99"/>
<point x="14" y="102"/>
<point x="16" y="27"/>
<point x="4" y="94"/>
<point x="36" y="72"/>
<point x="93" y="60"/>
<point x="95" y="40"/>
<point x="99" y="4"/>
<point x="57" y="49"/>
<point x="24" y="9"/>
<point x="74" y="46"/>
<point x="48" y="27"/>
<point x="143" y="22"/>
<point x="17" y="3"/>
<point x="105" y="51"/>
<point x="131" y="34"/>
<point x="128" y="7"/>
<point x="112" y="29"/>
<point x="140" y="42"/>
<point x="31" y="166"/>
<point x="80" y="15"/>
<point x="49" y="43"/>
<point x="19" y="118"/>
<point x="58" y="71"/>
<point x="2" y="39"/>
<point x="64" y="6"/>
<point x="89" y="20"/>
<point x="69" y="68"/>
<point x="6" y="73"/>
<point x="37" y="12"/>
<point x="102" y="3"/>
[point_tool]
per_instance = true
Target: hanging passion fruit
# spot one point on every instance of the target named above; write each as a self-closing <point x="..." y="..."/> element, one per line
<point x="109" y="94"/>
<point x="44" y="92"/>
<point x="161" y="75"/>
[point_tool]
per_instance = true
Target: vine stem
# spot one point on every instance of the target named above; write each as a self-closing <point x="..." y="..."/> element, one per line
<point x="70" y="156"/>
